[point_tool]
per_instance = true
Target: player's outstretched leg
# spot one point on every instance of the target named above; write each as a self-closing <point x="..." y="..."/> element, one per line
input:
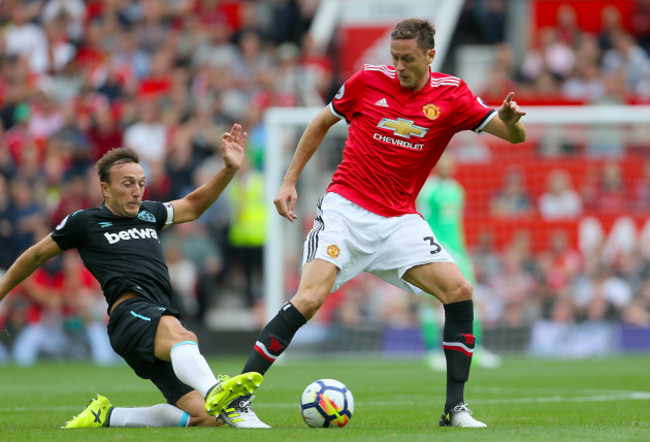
<point x="100" y="413"/>
<point x="230" y="388"/>
<point x="94" y="416"/>
<point x="272" y="341"/>
<point x="274" y="338"/>
<point x="239" y="414"/>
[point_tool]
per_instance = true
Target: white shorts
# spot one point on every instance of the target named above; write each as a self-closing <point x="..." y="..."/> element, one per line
<point x="356" y="240"/>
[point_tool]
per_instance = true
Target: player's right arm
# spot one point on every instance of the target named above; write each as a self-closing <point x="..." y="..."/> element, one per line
<point x="27" y="263"/>
<point x="285" y="200"/>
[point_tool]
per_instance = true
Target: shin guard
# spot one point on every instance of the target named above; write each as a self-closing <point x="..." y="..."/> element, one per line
<point x="274" y="339"/>
<point x="458" y="344"/>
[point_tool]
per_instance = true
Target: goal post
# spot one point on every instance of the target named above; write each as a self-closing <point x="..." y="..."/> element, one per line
<point x="283" y="129"/>
<point x="598" y="134"/>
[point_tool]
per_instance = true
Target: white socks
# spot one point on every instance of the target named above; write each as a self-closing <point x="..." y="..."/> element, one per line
<point x="191" y="367"/>
<point x="161" y="415"/>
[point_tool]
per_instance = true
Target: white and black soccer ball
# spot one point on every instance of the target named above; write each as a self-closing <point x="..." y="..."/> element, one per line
<point x="327" y="403"/>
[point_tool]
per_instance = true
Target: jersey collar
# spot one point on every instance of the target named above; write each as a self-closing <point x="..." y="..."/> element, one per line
<point x="409" y="91"/>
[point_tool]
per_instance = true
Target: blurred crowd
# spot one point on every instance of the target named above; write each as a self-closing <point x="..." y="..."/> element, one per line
<point x="167" y="78"/>
<point x="597" y="189"/>
<point x="566" y="63"/>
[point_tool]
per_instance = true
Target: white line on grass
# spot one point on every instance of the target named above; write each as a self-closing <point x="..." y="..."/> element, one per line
<point x="583" y="391"/>
<point x="635" y="395"/>
<point x="619" y="396"/>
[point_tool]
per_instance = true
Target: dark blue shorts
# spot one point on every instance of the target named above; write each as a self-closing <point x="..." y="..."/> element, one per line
<point x="132" y="329"/>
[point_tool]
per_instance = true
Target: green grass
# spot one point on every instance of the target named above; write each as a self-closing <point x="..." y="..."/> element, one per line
<point x="396" y="400"/>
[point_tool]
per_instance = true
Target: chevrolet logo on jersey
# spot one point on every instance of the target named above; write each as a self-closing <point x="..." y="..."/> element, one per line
<point x="403" y="128"/>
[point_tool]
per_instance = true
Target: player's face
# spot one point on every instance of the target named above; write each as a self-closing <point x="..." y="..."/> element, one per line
<point x="124" y="193"/>
<point x="411" y="63"/>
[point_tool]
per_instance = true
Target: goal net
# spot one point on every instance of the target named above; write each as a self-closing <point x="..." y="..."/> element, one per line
<point x="536" y="262"/>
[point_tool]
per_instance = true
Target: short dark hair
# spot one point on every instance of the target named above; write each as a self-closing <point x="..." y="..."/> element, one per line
<point x="115" y="156"/>
<point x="421" y="30"/>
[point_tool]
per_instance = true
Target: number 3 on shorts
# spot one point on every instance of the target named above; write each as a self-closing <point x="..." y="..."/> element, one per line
<point x="435" y="247"/>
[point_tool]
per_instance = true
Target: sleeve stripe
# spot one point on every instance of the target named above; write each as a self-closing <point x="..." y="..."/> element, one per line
<point x="488" y="117"/>
<point x="337" y="113"/>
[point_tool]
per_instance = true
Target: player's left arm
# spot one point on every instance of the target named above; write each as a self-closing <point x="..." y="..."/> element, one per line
<point x="194" y="204"/>
<point x="507" y="124"/>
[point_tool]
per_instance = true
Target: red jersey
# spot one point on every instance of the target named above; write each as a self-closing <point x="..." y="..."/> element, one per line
<point x="396" y="135"/>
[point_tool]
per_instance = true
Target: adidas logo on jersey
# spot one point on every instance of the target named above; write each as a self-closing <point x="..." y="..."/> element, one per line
<point x="131" y="234"/>
<point x="382" y="103"/>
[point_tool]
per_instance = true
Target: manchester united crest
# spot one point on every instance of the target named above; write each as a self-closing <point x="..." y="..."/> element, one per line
<point x="333" y="251"/>
<point x="431" y="111"/>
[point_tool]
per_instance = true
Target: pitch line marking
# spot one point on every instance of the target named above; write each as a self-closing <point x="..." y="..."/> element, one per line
<point x="635" y="395"/>
<point x="622" y="396"/>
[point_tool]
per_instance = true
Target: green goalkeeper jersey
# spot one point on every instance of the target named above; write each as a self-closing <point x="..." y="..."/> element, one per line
<point x="442" y="203"/>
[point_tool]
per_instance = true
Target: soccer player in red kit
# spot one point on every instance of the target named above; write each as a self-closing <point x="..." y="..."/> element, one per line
<point x="401" y="118"/>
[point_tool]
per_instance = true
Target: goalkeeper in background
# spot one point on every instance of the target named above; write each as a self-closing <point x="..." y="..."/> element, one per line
<point x="442" y="203"/>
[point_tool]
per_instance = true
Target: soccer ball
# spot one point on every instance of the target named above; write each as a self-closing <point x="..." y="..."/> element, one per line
<point x="326" y="403"/>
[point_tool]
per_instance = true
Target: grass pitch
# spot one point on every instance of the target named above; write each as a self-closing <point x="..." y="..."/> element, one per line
<point x="395" y="400"/>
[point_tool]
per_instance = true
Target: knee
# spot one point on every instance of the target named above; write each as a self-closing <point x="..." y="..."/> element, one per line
<point x="186" y="335"/>
<point x="170" y="333"/>
<point x="460" y="291"/>
<point x="307" y="304"/>
<point x="173" y="330"/>
<point x="180" y="337"/>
